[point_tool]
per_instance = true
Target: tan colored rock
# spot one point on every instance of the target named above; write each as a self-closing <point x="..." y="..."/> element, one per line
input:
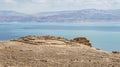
<point x="38" y="40"/>
<point x="82" y="40"/>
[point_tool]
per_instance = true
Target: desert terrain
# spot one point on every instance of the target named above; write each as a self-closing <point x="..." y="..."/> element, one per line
<point x="51" y="51"/>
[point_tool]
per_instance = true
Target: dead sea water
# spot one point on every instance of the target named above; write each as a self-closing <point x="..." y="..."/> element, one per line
<point x="103" y="36"/>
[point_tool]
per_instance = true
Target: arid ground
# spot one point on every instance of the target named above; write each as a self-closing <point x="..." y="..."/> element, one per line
<point x="50" y="51"/>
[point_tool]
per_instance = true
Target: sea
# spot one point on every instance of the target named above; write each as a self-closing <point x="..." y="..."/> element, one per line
<point x="105" y="36"/>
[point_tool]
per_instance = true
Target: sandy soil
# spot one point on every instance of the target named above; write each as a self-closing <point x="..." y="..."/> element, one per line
<point x="18" y="54"/>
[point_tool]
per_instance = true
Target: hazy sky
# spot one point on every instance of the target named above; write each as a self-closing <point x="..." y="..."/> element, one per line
<point x="34" y="6"/>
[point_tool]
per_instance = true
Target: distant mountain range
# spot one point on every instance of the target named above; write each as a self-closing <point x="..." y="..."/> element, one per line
<point x="87" y="15"/>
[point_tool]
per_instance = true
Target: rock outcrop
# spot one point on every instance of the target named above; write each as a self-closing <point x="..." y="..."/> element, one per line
<point x="115" y="52"/>
<point x="39" y="40"/>
<point x="42" y="40"/>
<point x="82" y="40"/>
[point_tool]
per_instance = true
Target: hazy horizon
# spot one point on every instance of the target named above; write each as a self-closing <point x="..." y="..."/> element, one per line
<point x="35" y="6"/>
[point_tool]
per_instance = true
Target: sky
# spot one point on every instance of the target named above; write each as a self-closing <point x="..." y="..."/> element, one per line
<point x="36" y="6"/>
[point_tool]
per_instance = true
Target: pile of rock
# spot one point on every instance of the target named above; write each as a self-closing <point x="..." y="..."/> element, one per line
<point x="82" y="40"/>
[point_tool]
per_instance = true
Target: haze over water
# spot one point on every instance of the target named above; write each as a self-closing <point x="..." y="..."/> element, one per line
<point x="104" y="36"/>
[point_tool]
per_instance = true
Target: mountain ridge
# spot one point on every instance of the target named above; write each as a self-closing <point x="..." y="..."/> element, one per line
<point x="86" y="15"/>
